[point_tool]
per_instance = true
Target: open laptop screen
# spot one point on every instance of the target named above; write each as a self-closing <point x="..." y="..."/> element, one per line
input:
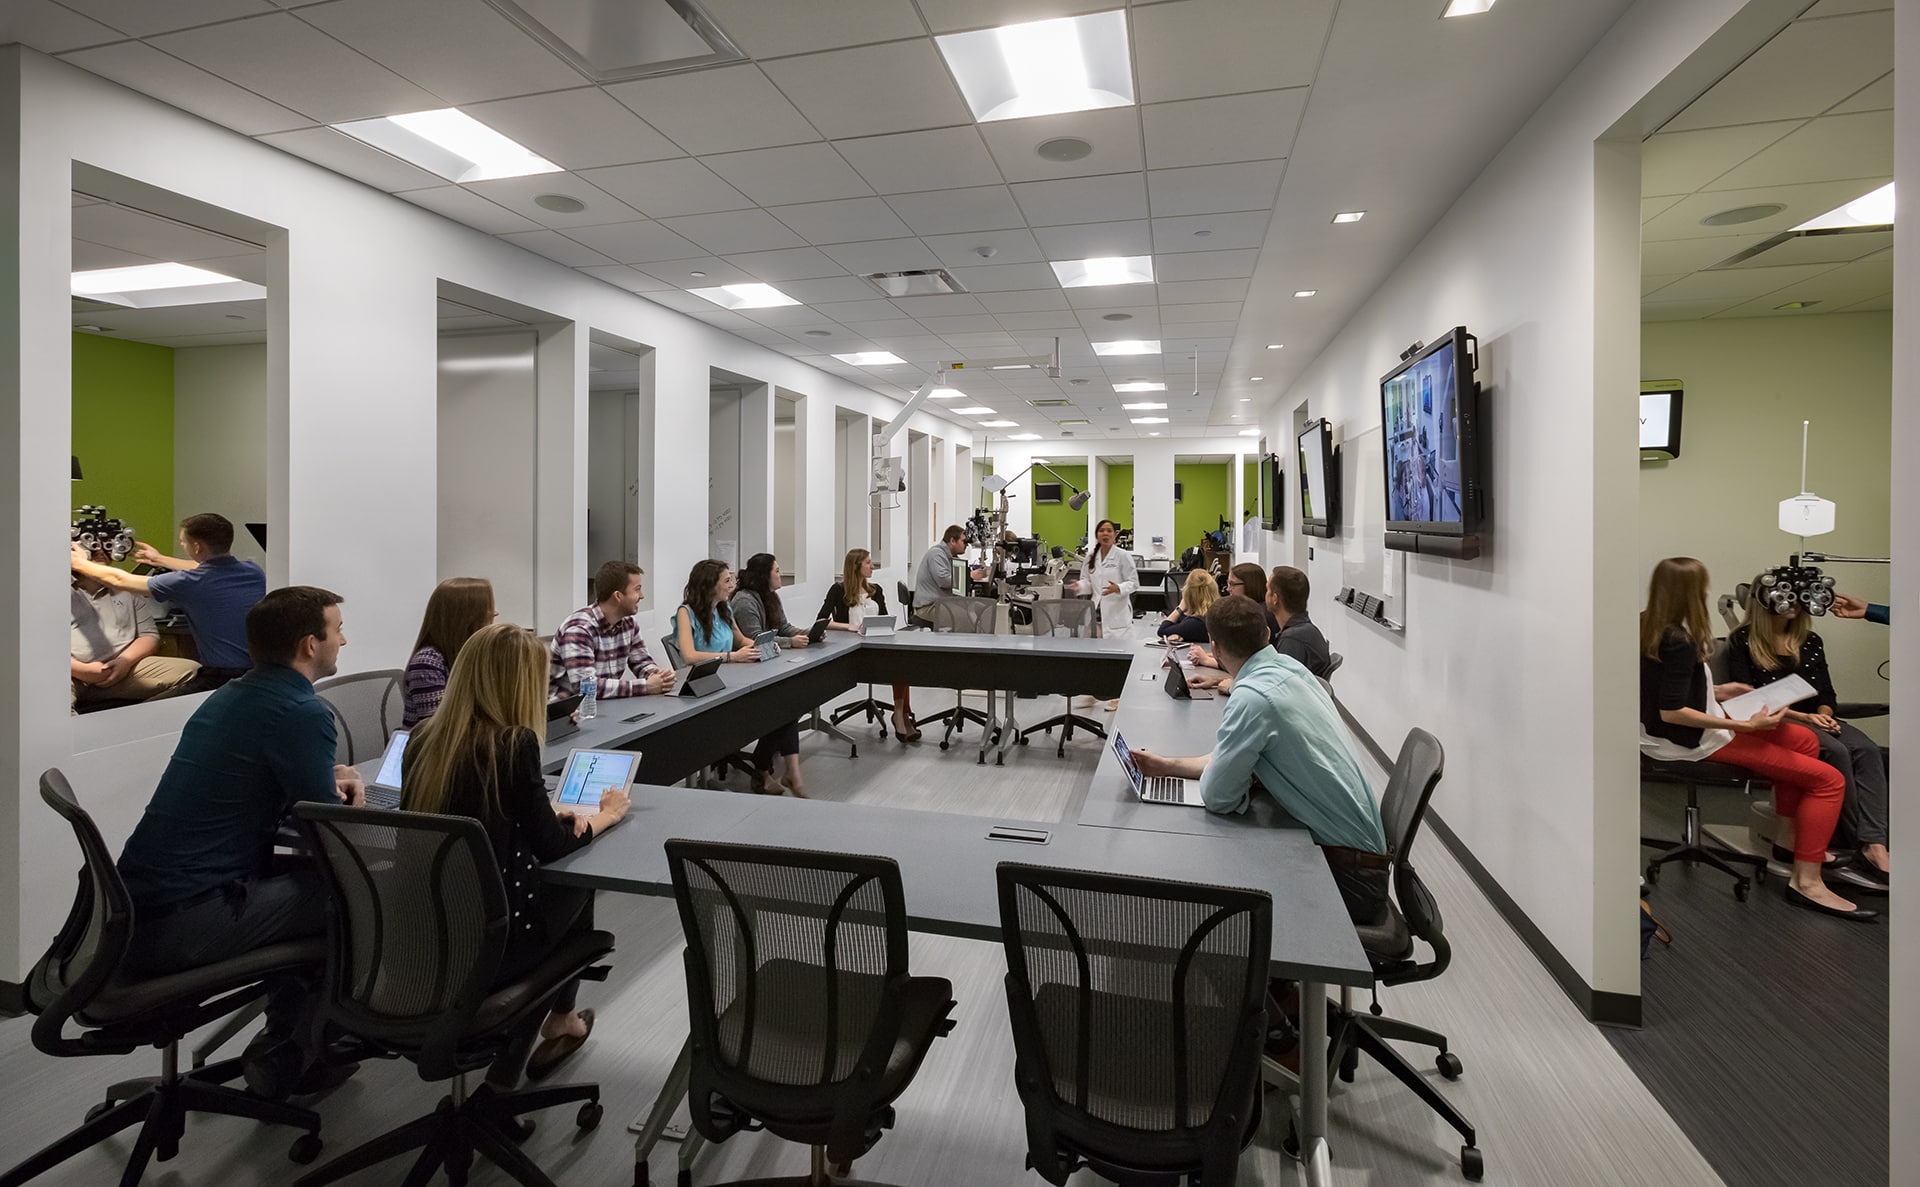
<point x="389" y="775"/>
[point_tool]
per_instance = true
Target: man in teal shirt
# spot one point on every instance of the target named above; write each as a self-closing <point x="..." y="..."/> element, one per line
<point x="1281" y="727"/>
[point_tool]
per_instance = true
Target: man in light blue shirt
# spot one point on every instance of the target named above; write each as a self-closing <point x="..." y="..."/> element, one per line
<point x="1281" y="727"/>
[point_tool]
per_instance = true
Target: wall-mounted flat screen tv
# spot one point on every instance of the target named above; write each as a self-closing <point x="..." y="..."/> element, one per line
<point x="1429" y="417"/>
<point x="1660" y="422"/>
<point x="1319" y="481"/>
<point x="1046" y="492"/>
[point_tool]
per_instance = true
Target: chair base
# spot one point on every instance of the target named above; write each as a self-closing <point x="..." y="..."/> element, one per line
<point x="873" y="709"/>
<point x="1355" y="1035"/>
<point x="956" y="719"/>
<point x="817" y="722"/>
<point x="464" y="1126"/>
<point x="159" y="1106"/>
<point x="1692" y="847"/>
<point x="1068" y="722"/>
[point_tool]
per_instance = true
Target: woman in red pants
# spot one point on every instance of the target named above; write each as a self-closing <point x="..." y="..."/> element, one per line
<point x="1681" y="720"/>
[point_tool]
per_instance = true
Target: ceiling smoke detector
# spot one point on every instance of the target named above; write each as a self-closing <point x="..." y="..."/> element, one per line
<point x="1063" y="148"/>
<point x="560" y="203"/>
<point x="917" y="282"/>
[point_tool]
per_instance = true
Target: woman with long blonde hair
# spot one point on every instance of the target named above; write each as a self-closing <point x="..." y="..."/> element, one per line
<point x="1681" y="720"/>
<point x="850" y="600"/>
<point x="1188" y="620"/>
<point x="479" y="756"/>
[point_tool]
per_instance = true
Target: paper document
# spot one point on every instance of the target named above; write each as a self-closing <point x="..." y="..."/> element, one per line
<point x="1777" y="695"/>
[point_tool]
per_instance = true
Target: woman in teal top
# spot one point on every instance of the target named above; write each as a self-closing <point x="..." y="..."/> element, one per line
<point x="703" y="629"/>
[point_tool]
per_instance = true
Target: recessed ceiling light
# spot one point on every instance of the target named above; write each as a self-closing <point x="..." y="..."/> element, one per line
<point x="948" y="393"/>
<point x="976" y="411"/>
<point x="999" y="424"/>
<point x="1276" y="346"/>
<point x="1202" y="233"/>
<point x="819" y="333"/>
<point x="1249" y="432"/>
<point x="1246" y="400"/>
<point x="1145" y="407"/>
<point x="143" y="278"/>
<point x="1465" y="8"/>
<point x="1023" y="436"/>
<point x="1075" y="421"/>
<point x="1155" y="433"/>
<point x="1742" y="214"/>
<point x="1104" y="270"/>
<point x="1256" y="379"/>
<point x="1050" y="403"/>
<point x="1792" y="305"/>
<point x="1011" y="367"/>
<point x="1305" y="292"/>
<point x="559" y="203"/>
<point x="450" y="143"/>
<point x="1116" y="317"/>
<point x="1349" y="216"/>
<point x="1149" y="420"/>
<point x="870" y="358"/>
<point x="1062" y="148"/>
<point x="1139" y="385"/>
<point x="1128" y="346"/>
<point x="1868" y="210"/>
<point x="696" y="274"/>
<point x="1043" y="67"/>
<point x="745" y="296"/>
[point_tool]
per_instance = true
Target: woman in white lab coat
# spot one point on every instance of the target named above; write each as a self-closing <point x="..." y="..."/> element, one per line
<point x="1110" y="579"/>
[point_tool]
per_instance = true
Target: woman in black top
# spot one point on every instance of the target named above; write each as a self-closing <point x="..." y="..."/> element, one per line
<point x="757" y="608"/>
<point x="479" y="756"/>
<point x="845" y="611"/>
<point x="1681" y="720"/>
<point x="1774" y="646"/>
<point x="1188" y="620"/>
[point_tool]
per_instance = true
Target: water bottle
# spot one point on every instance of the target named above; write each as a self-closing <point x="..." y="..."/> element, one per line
<point x="589" y="690"/>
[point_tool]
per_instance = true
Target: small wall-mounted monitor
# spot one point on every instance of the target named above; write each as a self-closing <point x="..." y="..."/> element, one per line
<point x="1319" y="481"/>
<point x="1660" y="423"/>
<point x="1272" y="489"/>
<point x="1179" y="491"/>
<point x="1046" y="492"/>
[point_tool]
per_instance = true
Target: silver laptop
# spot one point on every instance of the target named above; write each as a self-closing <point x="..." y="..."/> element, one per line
<point x="1161" y="789"/>
<point x="877" y="625"/>
<point x="384" y="791"/>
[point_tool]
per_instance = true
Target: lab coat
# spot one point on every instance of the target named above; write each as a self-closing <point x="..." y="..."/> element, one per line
<point x="1115" y="610"/>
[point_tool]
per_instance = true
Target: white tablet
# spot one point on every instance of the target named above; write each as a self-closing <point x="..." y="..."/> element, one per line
<point x="589" y="773"/>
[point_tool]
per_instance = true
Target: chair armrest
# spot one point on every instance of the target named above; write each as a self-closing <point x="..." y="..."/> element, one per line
<point x="1854" y="710"/>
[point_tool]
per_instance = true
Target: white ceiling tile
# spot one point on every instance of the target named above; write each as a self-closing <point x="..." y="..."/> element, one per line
<point x="465" y="206"/>
<point x="1649" y="207"/>
<point x="885" y="255"/>
<point x="1006" y="278"/>
<point x="1880" y="304"/>
<point x="777" y="28"/>
<point x="576" y="129"/>
<point x="144" y="234"/>
<point x="1691" y="255"/>
<point x="868" y="309"/>
<point x="943" y="212"/>
<point x="88" y="256"/>
<point x="724" y="109"/>
<point x="1225" y="313"/>
<point x="1140" y="320"/>
<point x="141" y="18"/>
<point x="354" y="158"/>
<point x="946" y="158"/>
<point x="1801" y="202"/>
<point x="941" y="306"/>
<point x="1682" y="310"/>
<point x="949" y="16"/>
<point x="901" y="86"/>
<point x="1091" y="240"/>
<point x="145" y="69"/>
<point x="1112" y="132"/>
<point x="846" y="221"/>
<point x="519" y="195"/>
<point x="1014" y="304"/>
<point x="1843" y="7"/>
<point x="1220" y="47"/>
<point x="1739" y="284"/>
<point x="1834" y="146"/>
<point x="627" y="277"/>
<point x="461" y="51"/>
<point x="963" y="251"/>
<point x="1111" y="296"/>
<point x="1808" y="68"/>
<point x="792" y="174"/>
<point x="1682" y="162"/>
<point x="1224" y="232"/>
<point x="50" y="28"/>
<point x="1211" y="189"/>
<point x="1206" y="265"/>
<point x="793" y="263"/>
<point x="1652" y="283"/>
<point x="556" y="247"/>
<point x="952" y="328"/>
<point x="662" y="189"/>
<point x="1877" y="96"/>
<point x="1256" y="127"/>
<point x="1193" y="292"/>
<point x="714" y="272"/>
<point x="735" y="231"/>
<point x="1082" y="200"/>
<point x="641" y="242"/>
<point x="296" y="65"/>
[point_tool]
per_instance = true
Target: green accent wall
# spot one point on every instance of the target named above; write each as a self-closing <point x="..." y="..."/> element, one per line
<point x="1249" y="492"/>
<point x="1205" y="498"/>
<point x="123" y="433"/>
<point x="1057" y="523"/>
<point x="1119" y="506"/>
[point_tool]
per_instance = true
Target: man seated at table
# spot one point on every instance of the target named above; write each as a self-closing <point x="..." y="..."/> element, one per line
<point x="1295" y="636"/>
<point x="111" y="653"/>
<point x="215" y="588"/>
<point x="199" y="864"/>
<point x="604" y="639"/>
<point x="933" y="577"/>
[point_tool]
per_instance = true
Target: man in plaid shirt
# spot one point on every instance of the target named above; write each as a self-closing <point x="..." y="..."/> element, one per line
<point x="605" y="639"/>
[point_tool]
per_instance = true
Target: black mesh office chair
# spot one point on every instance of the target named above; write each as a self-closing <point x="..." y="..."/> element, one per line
<point x="963" y="616"/>
<point x="805" y="1020"/>
<point x="417" y="930"/>
<point x="871" y="707"/>
<point x="739" y="760"/>
<point x="367" y="708"/>
<point x="1334" y="660"/>
<point x="81" y="980"/>
<point x="1411" y="914"/>
<point x="1075" y="616"/>
<point x="1138" y="1011"/>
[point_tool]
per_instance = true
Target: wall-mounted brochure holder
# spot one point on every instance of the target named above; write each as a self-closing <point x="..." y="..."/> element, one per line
<point x="1371" y="607"/>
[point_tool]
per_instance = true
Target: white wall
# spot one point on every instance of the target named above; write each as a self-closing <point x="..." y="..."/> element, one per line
<point x="1749" y="384"/>
<point x="486" y="466"/>
<point x="723" y="482"/>
<point x="220" y="438"/>
<point x="350" y="413"/>
<point x="1904" y="917"/>
<point x="613" y="479"/>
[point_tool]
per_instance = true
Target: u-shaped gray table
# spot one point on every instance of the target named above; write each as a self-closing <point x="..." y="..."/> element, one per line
<point x="946" y="860"/>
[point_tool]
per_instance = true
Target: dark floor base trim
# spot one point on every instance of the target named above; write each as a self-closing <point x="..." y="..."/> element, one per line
<point x="1605" y="1009"/>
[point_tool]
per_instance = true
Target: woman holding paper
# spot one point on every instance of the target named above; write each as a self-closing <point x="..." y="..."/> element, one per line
<point x="1774" y="646"/>
<point x="1681" y="720"/>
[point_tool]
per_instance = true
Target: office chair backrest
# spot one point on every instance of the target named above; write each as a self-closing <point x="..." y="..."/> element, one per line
<point x="1075" y="614"/>
<point x="92" y="942"/>
<point x="1135" y="1002"/>
<point x="418" y="926"/>
<point x="1334" y="660"/>
<point x="1717" y="661"/>
<point x="963" y="616"/>
<point x="794" y="945"/>
<point x="1172" y="585"/>
<point x="1043" y="621"/>
<point x="367" y="707"/>
<point x="1403" y="808"/>
<point x="670" y="647"/>
<point x="906" y="600"/>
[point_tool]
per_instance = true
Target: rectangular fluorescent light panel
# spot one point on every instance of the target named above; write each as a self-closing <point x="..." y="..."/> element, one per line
<point x="1349" y="216"/>
<point x="1869" y="210"/>
<point x="946" y="393"/>
<point x="1149" y="420"/>
<point x="971" y="411"/>
<point x="451" y="143"/>
<point x="1143" y="407"/>
<point x="870" y="358"/>
<point x="1128" y="346"/>
<point x="1023" y="436"/>
<point x="1305" y="292"/>
<point x="1050" y="67"/>
<point x="999" y="424"/>
<point x="157" y="286"/>
<point x="1249" y="432"/>
<point x="1103" y="270"/>
<point x="745" y="296"/>
<point x="1139" y="385"/>
<point x="1465" y="8"/>
<point x="1011" y="367"/>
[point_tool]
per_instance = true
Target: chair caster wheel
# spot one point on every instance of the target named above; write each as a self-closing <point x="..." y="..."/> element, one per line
<point x="305" y="1149"/>
<point x="1653" y="874"/>
<point x="683" y="1179"/>
<point x="1023" y="741"/>
<point x="1471" y="1164"/>
<point x="1449" y="1065"/>
<point x="589" y="1115"/>
<point x="641" y="1177"/>
<point x="100" y="1110"/>
<point x="1760" y="876"/>
<point x="943" y="745"/>
<point x="1740" y="889"/>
